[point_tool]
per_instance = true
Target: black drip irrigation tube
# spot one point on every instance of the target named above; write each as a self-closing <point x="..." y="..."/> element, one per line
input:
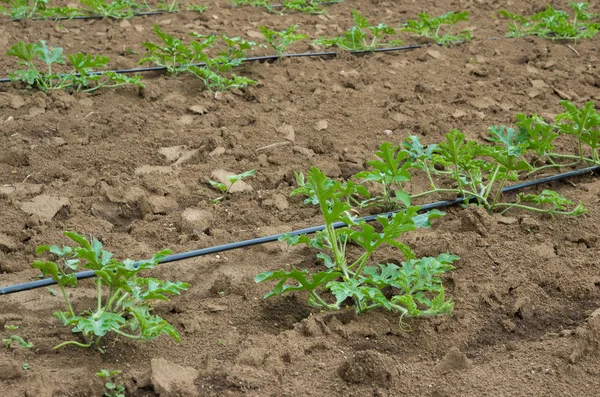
<point x="268" y="239"/>
<point x="137" y="14"/>
<point x="261" y="59"/>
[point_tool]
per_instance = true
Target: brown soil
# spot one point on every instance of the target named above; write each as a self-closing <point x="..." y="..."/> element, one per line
<point x="525" y="287"/>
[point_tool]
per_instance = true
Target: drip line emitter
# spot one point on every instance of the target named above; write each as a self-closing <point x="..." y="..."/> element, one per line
<point x="265" y="58"/>
<point x="268" y="239"/>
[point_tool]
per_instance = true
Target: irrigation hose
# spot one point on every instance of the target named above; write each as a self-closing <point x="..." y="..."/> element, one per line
<point x="260" y="59"/>
<point x="268" y="239"/>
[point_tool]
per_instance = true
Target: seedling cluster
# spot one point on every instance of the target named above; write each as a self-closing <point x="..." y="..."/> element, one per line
<point x="112" y="388"/>
<point x="439" y="29"/>
<point x="123" y="296"/>
<point x="276" y="7"/>
<point x="467" y="169"/>
<point x="211" y="58"/>
<point x="555" y="24"/>
<point x="347" y="275"/>
<point x="8" y="341"/>
<point x="349" y="271"/>
<point x="281" y="40"/>
<point x="39" y="63"/>
<point x="224" y="188"/>
<point x="191" y="58"/>
<point x="117" y="9"/>
<point x="477" y="172"/>
<point x="362" y="36"/>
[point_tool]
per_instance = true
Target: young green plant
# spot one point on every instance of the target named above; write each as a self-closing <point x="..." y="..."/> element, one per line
<point x="196" y="7"/>
<point x="216" y="73"/>
<point x="226" y="187"/>
<point x="39" y="9"/>
<point x="417" y="288"/>
<point x="117" y="9"/>
<point x="303" y="6"/>
<point x="112" y="389"/>
<point x="362" y="36"/>
<point x="8" y="341"/>
<point x="281" y="40"/>
<point x="389" y="171"/>
<point x="83" y="76"/>
<point x="439" y="29"/>
<point x="478" y="172"/>
<point x="123" y="297"/>
<point x="173" y="6"/>
<point x="178" y="57"/>
<point x="538" y="136"/>
<point x="584" y="124"/>
<point x="554" y="24"/>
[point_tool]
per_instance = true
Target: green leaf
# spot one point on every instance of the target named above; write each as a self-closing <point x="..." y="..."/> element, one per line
<point x="403" y="197"/>
<point x="100" y="324"/>
<point x="553" y="201"/>
<point x="456" y="151"/>
<point x="583" y="123"/>
<point x="423" y="221"/>
<point x="29" y="76"/>
<point x="359" y="20"/>
<point x="85" y="62"/>
<point x="554" y="24"/>
<point x="50" y="56"/>
<point x="538" y="134"/>
<point x="25" y="52"/>
<point x="151" y="288"/>
<point x="234" y="178"/>
<point x="220" y="186"/>
<point x="79" y="239"/>
<point x="514" y="141"/>
<point x="305" y="280"/>
<point x="439" y="28"/>
<point x="52" y="270"/>
<point x="343" y="290"/>
<point x="357" y="37"/>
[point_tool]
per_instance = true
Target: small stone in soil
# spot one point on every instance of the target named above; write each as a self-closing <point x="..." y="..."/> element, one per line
<point x="170" y="380"/>
<point x="321" y="125"/>
<point x="7" y="243"/>
<point x="454" y="360"/>
<point x="196" y="220"/>
<point x="45" y="206"/>
<point x="162" y="204"/>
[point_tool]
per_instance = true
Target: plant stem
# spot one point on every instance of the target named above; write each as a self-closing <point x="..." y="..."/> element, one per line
<point x="321" y="301"/>
<point x="488" y="189"/>
<point x="363" y="261"/>
<point x="117" y="331"/>
<point x="340" y="260"/>
<point x="111" y="299"/>
<point x="431" y="182"/>
<point x="498" y="193"/>
<point x="99" y="294"/>
<point x="461" y="192"/>
<point x="67" y="301"/>
<point x="71" y="342"/>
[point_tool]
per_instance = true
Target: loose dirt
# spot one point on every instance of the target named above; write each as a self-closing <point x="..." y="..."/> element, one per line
<point x="132" y="167"/>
